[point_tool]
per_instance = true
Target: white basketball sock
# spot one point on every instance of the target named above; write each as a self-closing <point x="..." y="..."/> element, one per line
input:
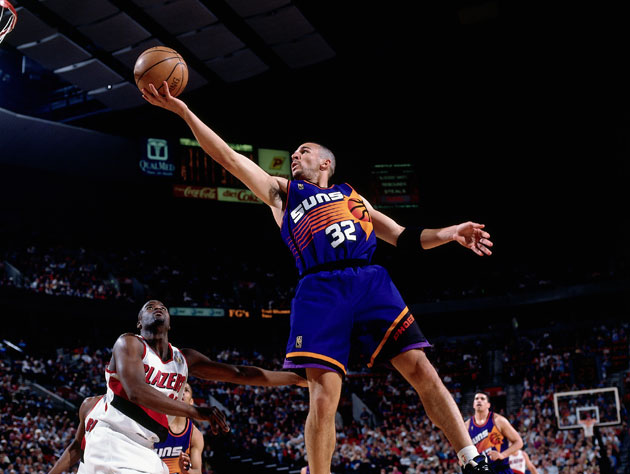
<point x="466" y="454"/>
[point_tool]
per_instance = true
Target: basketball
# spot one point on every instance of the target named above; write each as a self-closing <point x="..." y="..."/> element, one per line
<point x="158" y="64"/>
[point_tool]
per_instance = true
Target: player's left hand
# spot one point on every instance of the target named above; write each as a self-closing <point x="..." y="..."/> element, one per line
<point x="184" y="462"/>
<point x="495" y="455"/>
<point x="472" y="236"/>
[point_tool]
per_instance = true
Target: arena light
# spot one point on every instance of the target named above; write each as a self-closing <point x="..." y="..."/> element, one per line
<point x="13" y="346"/>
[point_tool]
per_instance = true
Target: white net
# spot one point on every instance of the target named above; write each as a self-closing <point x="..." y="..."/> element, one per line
<point x="8" y="18"/>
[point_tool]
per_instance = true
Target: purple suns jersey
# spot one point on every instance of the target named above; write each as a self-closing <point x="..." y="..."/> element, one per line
<point x="324" y="225"/>
<point x="174" y="445"/>
<point x="486" y="438"/>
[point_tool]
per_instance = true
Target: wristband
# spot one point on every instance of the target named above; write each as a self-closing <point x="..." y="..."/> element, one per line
<point x="409" y="239"/>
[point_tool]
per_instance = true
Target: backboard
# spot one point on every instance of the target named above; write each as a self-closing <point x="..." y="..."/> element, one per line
<point x="599" y="404"/>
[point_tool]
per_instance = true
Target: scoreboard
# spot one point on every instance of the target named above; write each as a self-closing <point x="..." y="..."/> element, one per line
<point x="394" y="185"/>
<point x="195" y="175"/>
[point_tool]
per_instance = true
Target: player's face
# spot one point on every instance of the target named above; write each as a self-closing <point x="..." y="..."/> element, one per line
<point x="153" y="312"/>
<point x="187" y="395"/>
<point x="305" y="162"/>
<point x="480" y="402"/>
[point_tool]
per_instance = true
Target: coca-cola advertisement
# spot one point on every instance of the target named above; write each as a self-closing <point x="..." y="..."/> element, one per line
<point x="237" y="195"/>
<point x="194" y="192"/>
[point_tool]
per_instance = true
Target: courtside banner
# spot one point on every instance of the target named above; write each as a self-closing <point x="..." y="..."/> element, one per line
<point x="272" y="313"/>
<point x="237" y="195"/>
<point x="194" y="192"/>
<point x="275" y="162"/>
<point x="198" y="312"/>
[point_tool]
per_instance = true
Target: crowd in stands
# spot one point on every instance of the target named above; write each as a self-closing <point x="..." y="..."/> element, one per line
<point x="212" y="278"/>
<point x="392" y="434"/>
<point x="207" y="279"/>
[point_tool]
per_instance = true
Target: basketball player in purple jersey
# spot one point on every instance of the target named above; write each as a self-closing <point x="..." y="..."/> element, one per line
<point x="493" y="434"/>
<point x="181" y="452"/>
<point x="331" y="231"/>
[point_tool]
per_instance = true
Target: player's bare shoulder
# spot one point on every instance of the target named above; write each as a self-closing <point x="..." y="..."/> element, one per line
<point x="128" y="339"/>
<point x="127" y="344"/>
<point x="500" y="420"/>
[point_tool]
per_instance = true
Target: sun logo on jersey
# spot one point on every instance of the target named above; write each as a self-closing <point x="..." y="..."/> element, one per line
<point x="358" y="209"/>
<point x="359" y="213"/>
<point x="496" y="439"/>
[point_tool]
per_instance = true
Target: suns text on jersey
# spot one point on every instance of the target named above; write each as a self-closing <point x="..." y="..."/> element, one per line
<point x="169" y="451"/>
<point x="480" y="436"/>
<point x="312" y="201"/>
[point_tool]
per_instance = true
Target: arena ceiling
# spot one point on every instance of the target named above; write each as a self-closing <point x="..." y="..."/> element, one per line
<point x="74" y="58"/>
<point x="67" y="59"/>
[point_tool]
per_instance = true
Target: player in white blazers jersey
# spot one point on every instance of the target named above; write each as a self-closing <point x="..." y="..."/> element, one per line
<point x="520" y="462"/>
<point x="145" y="380"/>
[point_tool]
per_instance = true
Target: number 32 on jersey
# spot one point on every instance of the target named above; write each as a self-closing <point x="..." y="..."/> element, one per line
<point x="339" y="232"/>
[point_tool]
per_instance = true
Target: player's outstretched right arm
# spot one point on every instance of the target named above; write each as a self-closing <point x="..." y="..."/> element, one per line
<point x="263" y="185"/>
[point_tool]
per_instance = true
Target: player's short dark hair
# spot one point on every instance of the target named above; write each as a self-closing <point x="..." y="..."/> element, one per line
<point x="487" y="395"/>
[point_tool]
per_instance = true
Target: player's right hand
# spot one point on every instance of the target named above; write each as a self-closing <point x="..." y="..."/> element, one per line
<point x="216" y="418"/>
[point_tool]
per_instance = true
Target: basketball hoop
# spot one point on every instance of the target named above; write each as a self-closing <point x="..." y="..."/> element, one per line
<point x="8" y="18"/>
<point x="588" y="425"/>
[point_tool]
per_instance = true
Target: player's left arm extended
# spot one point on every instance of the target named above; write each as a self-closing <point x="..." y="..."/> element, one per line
<point x="201" y="366"/>
<point x="468" y="234"/>
<point x="507" y="430"/>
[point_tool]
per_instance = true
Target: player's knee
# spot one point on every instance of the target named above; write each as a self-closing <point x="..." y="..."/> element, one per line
<point x="323" y="405"/>
<point x="416" y="366"/>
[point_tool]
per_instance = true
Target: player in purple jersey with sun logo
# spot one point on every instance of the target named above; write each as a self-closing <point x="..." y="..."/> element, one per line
<point x="331" y="231"/>
<point x="493" y="434"/>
